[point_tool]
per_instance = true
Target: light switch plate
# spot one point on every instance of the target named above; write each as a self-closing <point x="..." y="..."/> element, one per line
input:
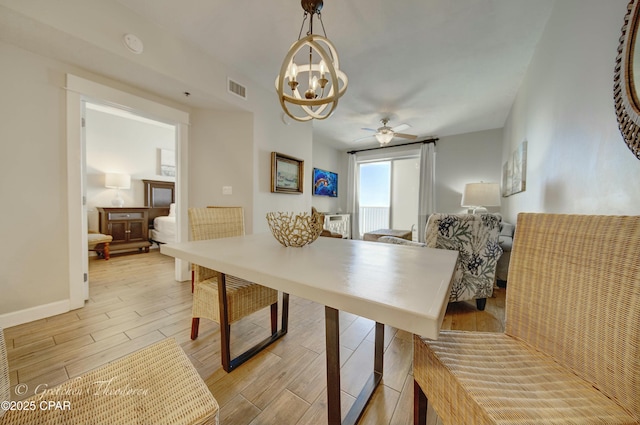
<point x="227" y="190"/>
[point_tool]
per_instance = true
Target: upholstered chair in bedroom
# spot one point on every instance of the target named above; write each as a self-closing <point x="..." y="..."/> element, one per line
<point x="475" y="237"/>
<point x="225" y="299"/>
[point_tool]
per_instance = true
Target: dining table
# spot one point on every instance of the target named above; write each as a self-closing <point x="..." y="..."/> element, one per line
<point x="406" y="287"/>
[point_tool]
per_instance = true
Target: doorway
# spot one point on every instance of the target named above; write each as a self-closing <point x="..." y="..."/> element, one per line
<point x="119" y="143"/>
<point x="80" y="90"/>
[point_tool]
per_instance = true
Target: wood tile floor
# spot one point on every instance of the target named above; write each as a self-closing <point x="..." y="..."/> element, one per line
<point x="135" y="302"/>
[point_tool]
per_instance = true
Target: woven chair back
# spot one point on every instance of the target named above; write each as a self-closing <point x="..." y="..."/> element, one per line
<point x="5" y="394"/>
<point x="216" y="222"/>
<point x="574" y="294"/>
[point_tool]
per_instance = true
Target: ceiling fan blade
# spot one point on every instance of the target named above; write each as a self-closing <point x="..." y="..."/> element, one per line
<point x="364" y="138"/>
<point x="406" y="136"/>
<point x="400" y="127"/>
<point x="369" y="129"/>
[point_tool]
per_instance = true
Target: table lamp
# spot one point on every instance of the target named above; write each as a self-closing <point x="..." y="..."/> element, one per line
<point x="480" y="195"/>
<point x="117" y="181"/>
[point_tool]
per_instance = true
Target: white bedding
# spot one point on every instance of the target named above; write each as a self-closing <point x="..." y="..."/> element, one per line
<point x="164" y="229"/>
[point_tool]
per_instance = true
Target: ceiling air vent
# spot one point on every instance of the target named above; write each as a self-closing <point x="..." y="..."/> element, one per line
<point x="236" y="88"/>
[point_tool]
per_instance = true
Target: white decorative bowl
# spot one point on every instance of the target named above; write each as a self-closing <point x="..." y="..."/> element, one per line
<point x="294" y="229"/>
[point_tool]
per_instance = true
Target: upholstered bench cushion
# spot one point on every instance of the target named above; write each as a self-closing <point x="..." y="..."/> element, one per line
<point x="98" y="238"/>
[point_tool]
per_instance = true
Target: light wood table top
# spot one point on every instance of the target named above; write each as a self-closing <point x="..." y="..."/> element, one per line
<point x="402" y="286"/>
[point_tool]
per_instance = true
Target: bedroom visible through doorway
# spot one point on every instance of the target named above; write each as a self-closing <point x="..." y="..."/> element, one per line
<point x="137" y="150"/>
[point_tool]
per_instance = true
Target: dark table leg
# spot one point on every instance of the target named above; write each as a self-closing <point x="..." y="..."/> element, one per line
<point x="229" y="364"/>
<point x="332" y="324"/>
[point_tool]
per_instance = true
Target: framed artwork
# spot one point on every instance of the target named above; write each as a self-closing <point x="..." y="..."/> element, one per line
<point x="325" y="183"/>
<point x="167" y="163"/>
<point x="514" y="172"/>
<point x="286" y="173"/>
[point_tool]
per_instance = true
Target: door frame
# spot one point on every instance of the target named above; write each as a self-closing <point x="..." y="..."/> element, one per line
<point x="79" y="90"/>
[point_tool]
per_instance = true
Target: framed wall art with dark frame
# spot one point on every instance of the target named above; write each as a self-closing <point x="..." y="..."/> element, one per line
<point x="287" y="173"/>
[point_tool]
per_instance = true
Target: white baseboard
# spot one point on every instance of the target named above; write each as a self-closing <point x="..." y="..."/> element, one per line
<point x="19" y="317"/>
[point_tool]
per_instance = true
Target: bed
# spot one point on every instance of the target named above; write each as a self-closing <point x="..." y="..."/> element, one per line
<point x="164" y="227"/>
<point x="159" y="196"/>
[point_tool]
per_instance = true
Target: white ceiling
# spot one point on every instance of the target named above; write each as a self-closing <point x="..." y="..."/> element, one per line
<point x="442" y="66"/>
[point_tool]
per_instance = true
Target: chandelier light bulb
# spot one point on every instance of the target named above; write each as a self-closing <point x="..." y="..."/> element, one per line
<point x="292" y="71"/>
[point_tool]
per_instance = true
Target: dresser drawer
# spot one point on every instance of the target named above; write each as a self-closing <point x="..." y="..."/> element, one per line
<point x="126" y="215"/>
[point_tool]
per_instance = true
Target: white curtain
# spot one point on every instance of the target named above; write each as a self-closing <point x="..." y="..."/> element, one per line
<point x="353" y="205"/>
<point x="427" y="200"/>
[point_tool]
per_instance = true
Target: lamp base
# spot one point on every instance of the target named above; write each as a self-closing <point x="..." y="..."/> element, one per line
<point x="480" y="210"/>
<point x="117" y="201"/>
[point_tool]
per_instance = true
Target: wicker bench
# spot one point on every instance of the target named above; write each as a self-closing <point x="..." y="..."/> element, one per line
<point x="156" y="385"/>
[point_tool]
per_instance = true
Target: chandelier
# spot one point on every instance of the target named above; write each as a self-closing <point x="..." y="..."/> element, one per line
<point x="310" y="81"/>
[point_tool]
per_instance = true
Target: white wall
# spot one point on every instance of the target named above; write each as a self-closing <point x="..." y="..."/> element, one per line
<point x="328" y="158"/>
<point x="270" y="134"/>
<point x="33" y="255"/>
<point x="466" y="158"/>
<point x="116" y="144"/>
<point x="577" y="160"/>
<point x="39" y="44"/>
<point x="221" y="154"/>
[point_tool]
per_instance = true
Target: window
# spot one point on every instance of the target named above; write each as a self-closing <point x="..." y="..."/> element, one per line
<point x="388" y="194"/>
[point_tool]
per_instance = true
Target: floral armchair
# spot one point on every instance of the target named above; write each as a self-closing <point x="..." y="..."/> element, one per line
<point x="475" y="237"/>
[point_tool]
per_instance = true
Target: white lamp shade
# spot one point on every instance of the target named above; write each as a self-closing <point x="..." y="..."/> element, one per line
<point x="117" y="181"/>
<point x="481" y="195"/>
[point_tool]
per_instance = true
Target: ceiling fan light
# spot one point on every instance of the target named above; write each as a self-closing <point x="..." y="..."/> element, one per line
<point x="384" y="137"/>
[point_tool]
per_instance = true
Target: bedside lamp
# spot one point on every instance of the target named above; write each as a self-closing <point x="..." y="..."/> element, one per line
<point x="480" y="195"/>
<point x="117" y="181"/>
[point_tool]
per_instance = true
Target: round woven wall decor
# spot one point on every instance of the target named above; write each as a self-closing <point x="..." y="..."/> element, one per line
<point x="625" y="92"/>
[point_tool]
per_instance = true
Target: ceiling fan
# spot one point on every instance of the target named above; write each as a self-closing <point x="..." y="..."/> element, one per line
<point x="385" y="133"/>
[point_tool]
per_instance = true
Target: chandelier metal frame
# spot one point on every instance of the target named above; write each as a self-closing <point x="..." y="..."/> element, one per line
<point x="324" y="103"/>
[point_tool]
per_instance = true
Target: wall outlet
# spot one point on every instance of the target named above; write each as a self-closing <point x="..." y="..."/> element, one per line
<point x="227" y="190"/>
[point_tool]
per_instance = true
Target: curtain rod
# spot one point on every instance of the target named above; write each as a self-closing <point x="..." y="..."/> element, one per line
<point x="431" y="140"/>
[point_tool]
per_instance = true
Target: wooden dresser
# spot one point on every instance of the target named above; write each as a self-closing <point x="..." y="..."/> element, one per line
<point x="129" y="227"/>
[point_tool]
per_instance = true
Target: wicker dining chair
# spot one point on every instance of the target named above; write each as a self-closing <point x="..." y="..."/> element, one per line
<point x="155" y="385"/>
<point x="226" y="299"/>
<point x="570" y="353"/>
